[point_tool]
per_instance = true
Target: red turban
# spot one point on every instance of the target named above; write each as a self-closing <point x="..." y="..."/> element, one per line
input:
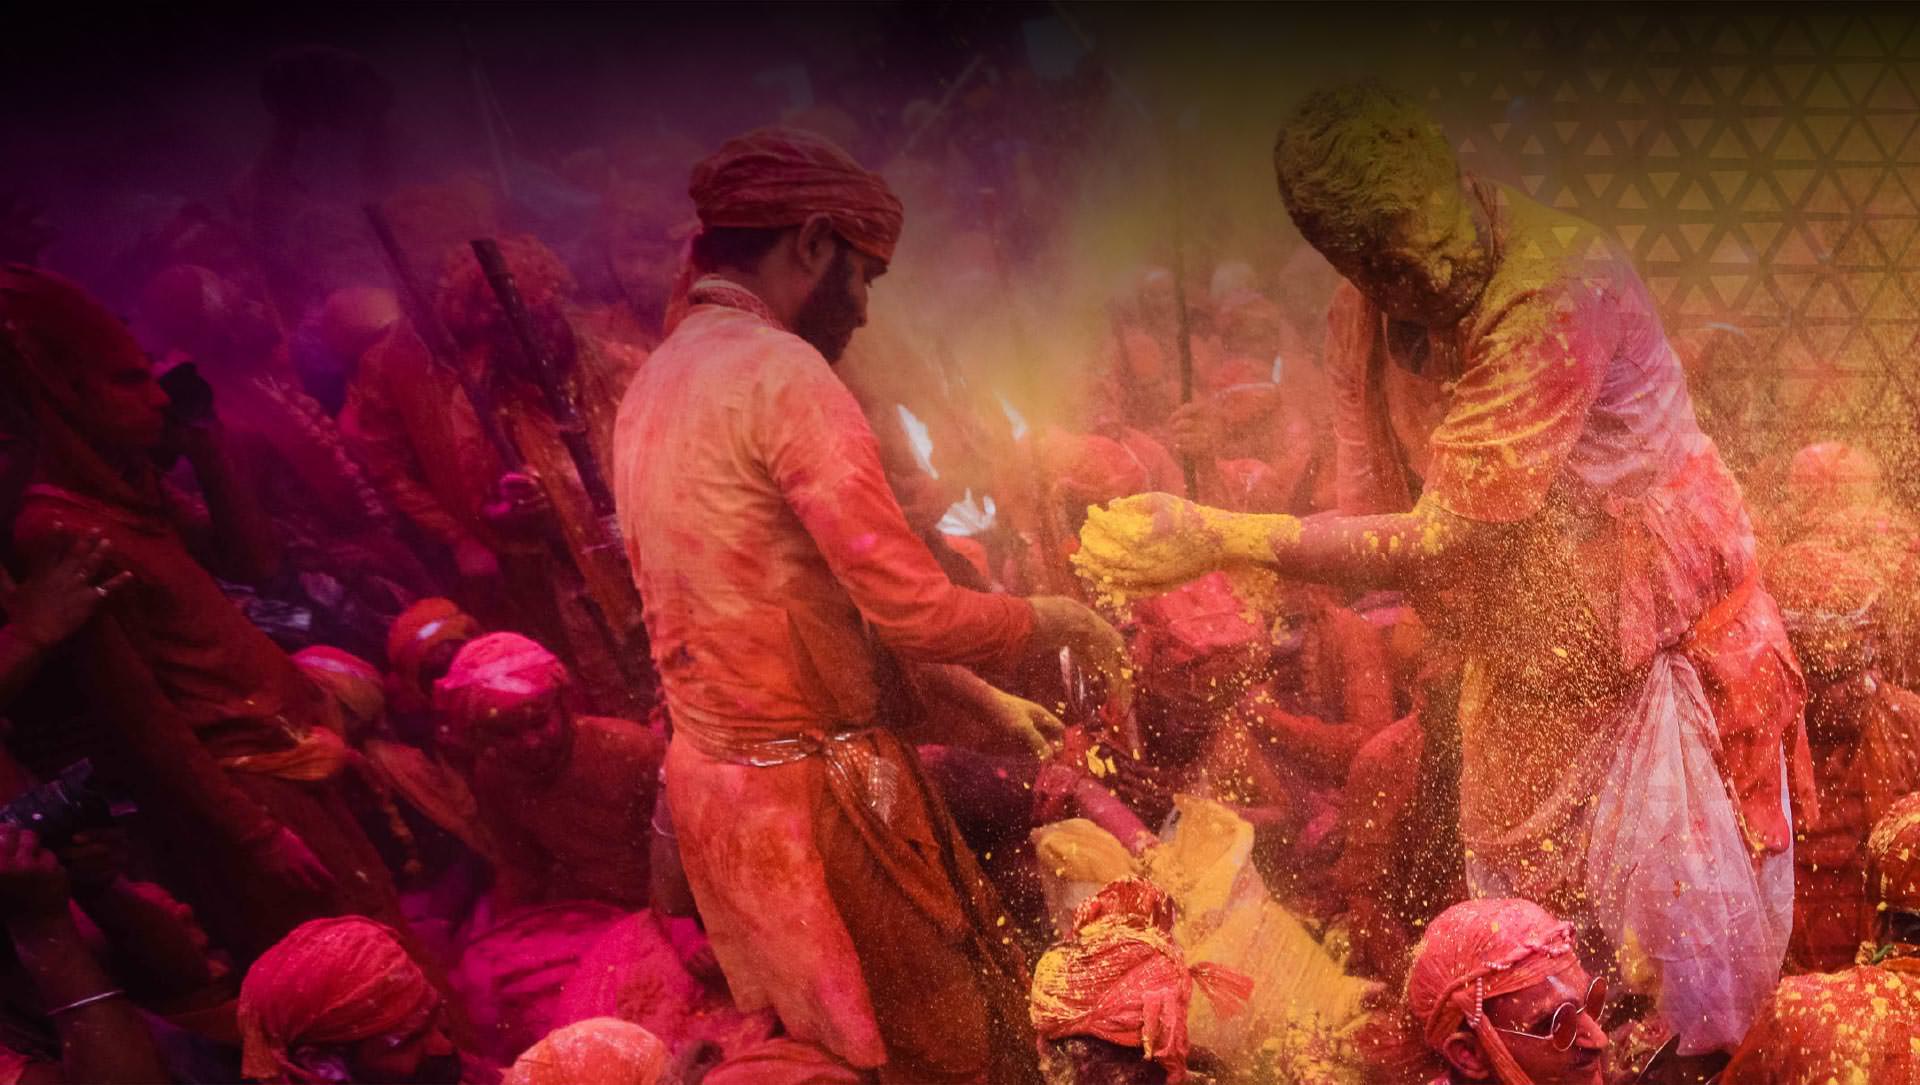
<point x="1817" y="584"/>
<point x="1199" y="640"/>
<point x="354" y="684"/>
<point x="496" y="673"/>
<point x="57" y="335"/>
<point x="1087" y="469"/>
<point x="1120" y="977"/>
<point x="1893" y="857"/>
<point x="418" y="630"/>
<point x="778" y="177"/>
<point x="1832" y="476"/>
<point x="329" y="981"/>
<point x="1479" y="950"/>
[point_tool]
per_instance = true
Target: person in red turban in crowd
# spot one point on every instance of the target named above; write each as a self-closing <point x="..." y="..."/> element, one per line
<point x="1858" y="1025"/>
<point x="1499" y="995"/>
<point x="780" y="580"/>
<point x="1258" y="422"/>
<point x="421" y="644"/>
<point x="408" y="418"/>
<point x="597" y="1051"/>
<point x="566" y="799"/>
<point x="1575" y="538"/>
<point x="1865" y="734"/>
<point x="212" y="728"/>
<point x="1114" y="992"/>
<point x="340" y="1000"/>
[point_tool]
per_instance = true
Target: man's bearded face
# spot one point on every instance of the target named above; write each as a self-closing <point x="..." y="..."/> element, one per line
<point x="837" y="305"/>
<point x="1430" y="267"/>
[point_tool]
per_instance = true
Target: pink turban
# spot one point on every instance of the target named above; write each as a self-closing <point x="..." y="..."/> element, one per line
<point x="355" y="685"/>
<point x="329" y="981"/>
<point x="1478" y="950"/>
<point x="494" y="674"/>
<point x="778" y="177"/>
<point x="1121" y="977"/>
<point x="597" y="1051"/>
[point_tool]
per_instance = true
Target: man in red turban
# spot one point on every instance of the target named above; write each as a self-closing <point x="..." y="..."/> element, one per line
<point x="781" y="580"/>
<point x="341" y="1000"/>
<point x="1858" y="1025"/>
<point x="566" y="800"/>
<point x="1499" y="994"/>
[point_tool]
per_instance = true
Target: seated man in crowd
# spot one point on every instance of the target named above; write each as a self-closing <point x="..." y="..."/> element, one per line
<point x="1499" y="995"/>
<point x="340" y="1000"/>
<point x="1858" y="1025"/>
<point x="566" y="799"/>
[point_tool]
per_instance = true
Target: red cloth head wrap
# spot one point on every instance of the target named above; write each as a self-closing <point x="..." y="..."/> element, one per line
<point x="597" y="1051"/>
<point x="1893" y="857"/>
<point x="1199" y="641"/>
<point x="55" y="336"/>
<point x="495" y="674"/>
<point x="1478" y="950"/>
<point x="329" y="981"/>
<point x="355" y="685"/>
<point x="1121" y="977"/>
<point x="771" y="178"/>
<point x="419" y="629"/>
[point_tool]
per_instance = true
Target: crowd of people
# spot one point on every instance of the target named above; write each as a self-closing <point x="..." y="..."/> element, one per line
<point x="559" y="661"/>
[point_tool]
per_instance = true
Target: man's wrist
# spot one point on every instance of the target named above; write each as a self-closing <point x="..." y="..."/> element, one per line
<point x="1253" y="537"/>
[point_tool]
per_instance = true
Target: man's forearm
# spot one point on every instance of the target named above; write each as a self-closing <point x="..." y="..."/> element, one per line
<point x="250" y="546"/>
<point x="1386" y="551"/>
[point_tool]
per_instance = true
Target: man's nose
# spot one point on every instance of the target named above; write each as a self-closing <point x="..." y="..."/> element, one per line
<point x="1591" y="1036"/>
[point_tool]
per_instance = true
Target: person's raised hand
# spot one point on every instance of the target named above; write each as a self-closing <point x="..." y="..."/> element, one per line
<point x="1150" y="540"/>
<point x="32" y="882"/>
<point x="1198" y="429"/>
<point x="288" y="860"/>
<point x="1060" y="622"/>
<point x="519" y="504"/>
<point x="52" y="605"/>
<point x="1035" y="727"/>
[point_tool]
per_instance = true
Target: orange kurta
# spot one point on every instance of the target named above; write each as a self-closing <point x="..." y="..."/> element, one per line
<point x="772" y="557"/>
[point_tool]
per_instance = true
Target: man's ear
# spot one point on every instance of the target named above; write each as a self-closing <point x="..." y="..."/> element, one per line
<point x="815" y="245"/>
<point x="1463" y="1054"/>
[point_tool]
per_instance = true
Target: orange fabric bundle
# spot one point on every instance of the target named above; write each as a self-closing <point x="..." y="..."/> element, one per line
<point x="1120" y="977"/>
<point x="329" y="981"/>
<point x="597" y="1051"/>
<point x="1477" y="950"/>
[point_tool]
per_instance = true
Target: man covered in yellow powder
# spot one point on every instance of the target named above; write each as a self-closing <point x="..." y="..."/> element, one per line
<point x="1518" y="451"/>
<point x="1861" y="1026"/>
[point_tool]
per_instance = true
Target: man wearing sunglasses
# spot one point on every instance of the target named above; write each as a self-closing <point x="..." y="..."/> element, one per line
<point x="1501" y="996"/>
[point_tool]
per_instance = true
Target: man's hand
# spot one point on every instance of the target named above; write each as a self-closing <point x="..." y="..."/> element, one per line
<point x="1062" y="623"/>
<point x="1150" y="540"/>
<point x="53" y="605"/>
<point x="288" y="860"/>
<point x="1032" y="724"/>
<point x="475" y="560"/>
<point x="1198" y="429"/>
<point x="32" y="883"/>
<point x="519" y="505"/>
